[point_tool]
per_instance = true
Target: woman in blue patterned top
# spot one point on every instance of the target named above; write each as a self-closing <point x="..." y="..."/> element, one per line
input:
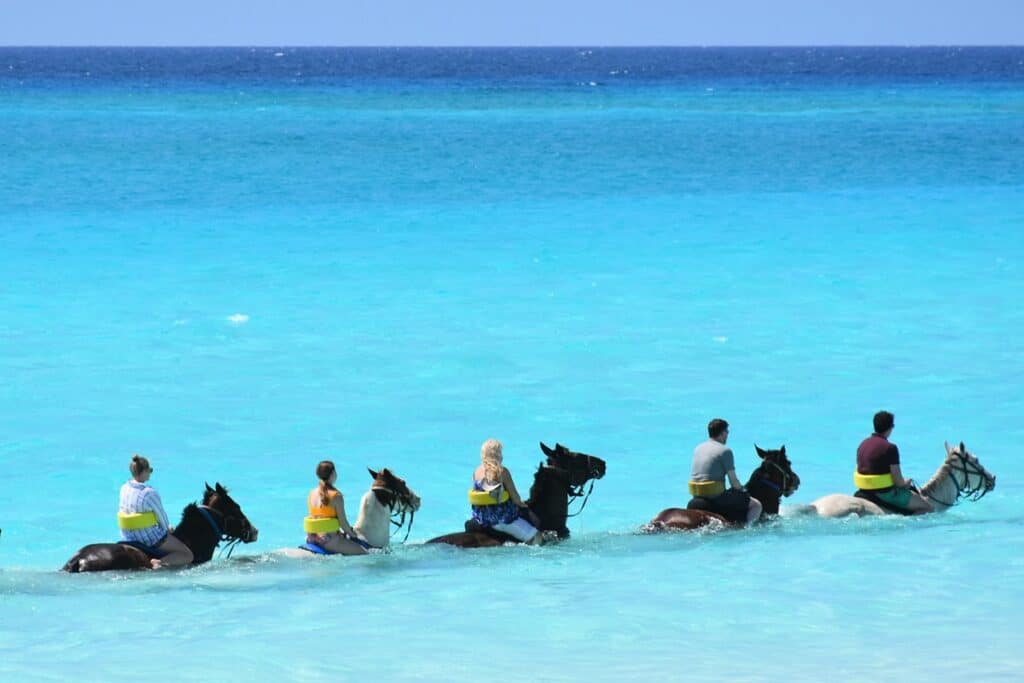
<point x="142" y="518"/>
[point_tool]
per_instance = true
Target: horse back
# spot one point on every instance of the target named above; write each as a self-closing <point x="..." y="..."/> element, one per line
<point x="98" y="557"/>
<point x="468" y="539"/>
<point x="684" y="519"/>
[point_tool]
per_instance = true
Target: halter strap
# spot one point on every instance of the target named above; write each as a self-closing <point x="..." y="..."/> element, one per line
<point x="205" y="511"/>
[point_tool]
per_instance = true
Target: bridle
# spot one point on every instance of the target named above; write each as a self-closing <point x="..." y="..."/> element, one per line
<point x="222" y="535"/>
<point x="404" y="506"/>
<point x="962" y="465"/>
<point x="575" y="491"/>
<point x="786" y="476"/>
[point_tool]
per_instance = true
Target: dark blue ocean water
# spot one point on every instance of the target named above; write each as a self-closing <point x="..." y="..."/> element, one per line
<point x="241" y="261"/>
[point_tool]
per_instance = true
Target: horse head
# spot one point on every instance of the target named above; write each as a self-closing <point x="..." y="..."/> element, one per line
<point x="973" y="481"/>
<point x="772" y="479"/>
<point x="233" y="524"/>
<point x="776" y="470"/>
<point x="393" y="492"/>
<point x="560" y="480"/>
<point x="580" y="467"/>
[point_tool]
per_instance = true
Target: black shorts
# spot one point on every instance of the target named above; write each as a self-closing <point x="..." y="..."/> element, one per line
<point x="732" y="504"/>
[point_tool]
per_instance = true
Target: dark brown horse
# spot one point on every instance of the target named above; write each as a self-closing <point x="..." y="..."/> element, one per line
<point x="555" y="484"/>
<point x="773" y="479"/>
<point x="202" y="528"/>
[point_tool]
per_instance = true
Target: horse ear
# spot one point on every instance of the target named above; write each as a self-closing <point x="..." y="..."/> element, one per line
<point x="220" y="489"/>
<point x="783" y="449"/>
<point x="963" y="448"/>
<point x="948" y="449"/>
<point x="760" y="453"/>
<point x="547" y="451"/>
<point x="372" y="473"/>
<point x="208" y="489"/>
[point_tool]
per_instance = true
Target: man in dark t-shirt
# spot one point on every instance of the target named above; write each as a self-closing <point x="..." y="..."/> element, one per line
<point x="878" y="469"/>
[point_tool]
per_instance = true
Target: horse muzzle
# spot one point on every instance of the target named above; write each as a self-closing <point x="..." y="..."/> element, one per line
<point x="252" y="533"/>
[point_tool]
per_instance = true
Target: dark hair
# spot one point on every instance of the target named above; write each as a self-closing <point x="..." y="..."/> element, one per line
<point x="884" y="421"/>
<point x="323" y="472"/>
<point x="138" y="465"/>
<point x="716" y="427"/>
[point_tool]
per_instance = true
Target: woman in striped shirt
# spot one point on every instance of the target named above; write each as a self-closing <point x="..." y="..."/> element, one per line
<point x="139" y="498"/>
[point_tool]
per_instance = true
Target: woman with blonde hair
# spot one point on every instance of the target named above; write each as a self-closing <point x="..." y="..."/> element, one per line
<point x="327" y="526"/>
<point x="143" y="521"/>
<point x="494" y="499"/>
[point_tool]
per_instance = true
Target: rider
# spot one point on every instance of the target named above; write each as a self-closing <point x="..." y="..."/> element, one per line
<point x="143" y="521"/>
<point x="327" y="526"/>
<point x="494" y="500"/>
<point x="878" y="469"/>
<point x="712" y="464"/>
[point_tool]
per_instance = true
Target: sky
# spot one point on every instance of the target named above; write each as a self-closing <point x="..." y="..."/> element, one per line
<point x="510" y="22"/>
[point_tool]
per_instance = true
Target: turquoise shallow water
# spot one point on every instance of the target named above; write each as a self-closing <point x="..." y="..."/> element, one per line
<point x="239" y="275"/>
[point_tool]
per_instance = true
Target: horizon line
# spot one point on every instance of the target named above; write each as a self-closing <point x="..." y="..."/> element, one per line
<point x="300" y="46"/>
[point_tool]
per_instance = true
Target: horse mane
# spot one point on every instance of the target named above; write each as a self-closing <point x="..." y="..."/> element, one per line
<point x="191" y="508"/>
<point x="940" y="482"/>
<point x="939" y="478"/>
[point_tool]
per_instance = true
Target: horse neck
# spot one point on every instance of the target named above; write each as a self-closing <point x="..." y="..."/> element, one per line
<point x="941" y="489"/>
<point x="549" y="500"/>
<point x="766" y="493"/>
<point x="373" y="520"/>
<point x="195" y="532"/>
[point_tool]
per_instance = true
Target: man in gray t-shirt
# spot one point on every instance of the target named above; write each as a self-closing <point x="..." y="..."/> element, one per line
<point x="712" y="465"/>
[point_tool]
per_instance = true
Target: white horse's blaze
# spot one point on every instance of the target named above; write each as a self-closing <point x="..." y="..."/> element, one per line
<point x="960" y="476"/>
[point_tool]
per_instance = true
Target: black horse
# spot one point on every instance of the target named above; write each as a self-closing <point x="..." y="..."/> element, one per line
<point x="202" y="528"/>
<point x="769" y="482"/>
<point x="556" y="483"/>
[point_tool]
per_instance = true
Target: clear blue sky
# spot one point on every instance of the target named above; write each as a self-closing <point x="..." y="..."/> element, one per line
<point x="511" y="22"/>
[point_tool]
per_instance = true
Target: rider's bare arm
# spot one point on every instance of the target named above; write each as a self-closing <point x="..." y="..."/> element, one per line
<point x="897" y="477"/>
<point x="506" y="480"/>
<point x="339" y="507"/>
<point x="734" y="481"/>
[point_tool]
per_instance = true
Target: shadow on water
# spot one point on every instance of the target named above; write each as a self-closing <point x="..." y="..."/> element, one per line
<point x="416" y="561"/>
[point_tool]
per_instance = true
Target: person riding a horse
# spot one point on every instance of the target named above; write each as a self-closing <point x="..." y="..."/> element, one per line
<point x="327" y="526"/>
<point x="143" y="521"/>
<point x="494" y="500"/>
<point x="878" y="477"/>
<point x="712" y="464"/>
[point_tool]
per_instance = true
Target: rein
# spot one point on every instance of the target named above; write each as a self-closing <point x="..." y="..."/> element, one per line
<point x="576" y="492"/>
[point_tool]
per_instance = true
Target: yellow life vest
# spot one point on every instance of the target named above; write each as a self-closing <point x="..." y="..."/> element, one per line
<point x="132" y="521"/>
<point x="322" y="519"/>
<point x="320" y="525"/>
<point x="873" y="482"/>
<point x="485" y="498"/>
<point x="706" y="489"/>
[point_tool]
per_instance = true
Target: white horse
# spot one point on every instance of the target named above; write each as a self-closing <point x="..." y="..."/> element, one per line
<point x="389" y="501"/>
<point x="961" y="476"/>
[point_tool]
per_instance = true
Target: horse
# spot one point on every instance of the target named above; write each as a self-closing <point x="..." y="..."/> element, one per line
<point x="388" y="502"/>
<point x="769" y="482"/>
<point x="555" y="484"/>
<point x="202" y="528"/>
<point x="959" y="477"/>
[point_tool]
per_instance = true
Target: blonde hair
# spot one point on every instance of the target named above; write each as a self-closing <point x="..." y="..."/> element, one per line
<point x="490" y="456"/>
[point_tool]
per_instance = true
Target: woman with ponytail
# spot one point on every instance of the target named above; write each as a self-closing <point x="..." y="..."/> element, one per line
<point x="494" y="499"/>
<point x="327" y="526"/>
<point x="143" y="520"/>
